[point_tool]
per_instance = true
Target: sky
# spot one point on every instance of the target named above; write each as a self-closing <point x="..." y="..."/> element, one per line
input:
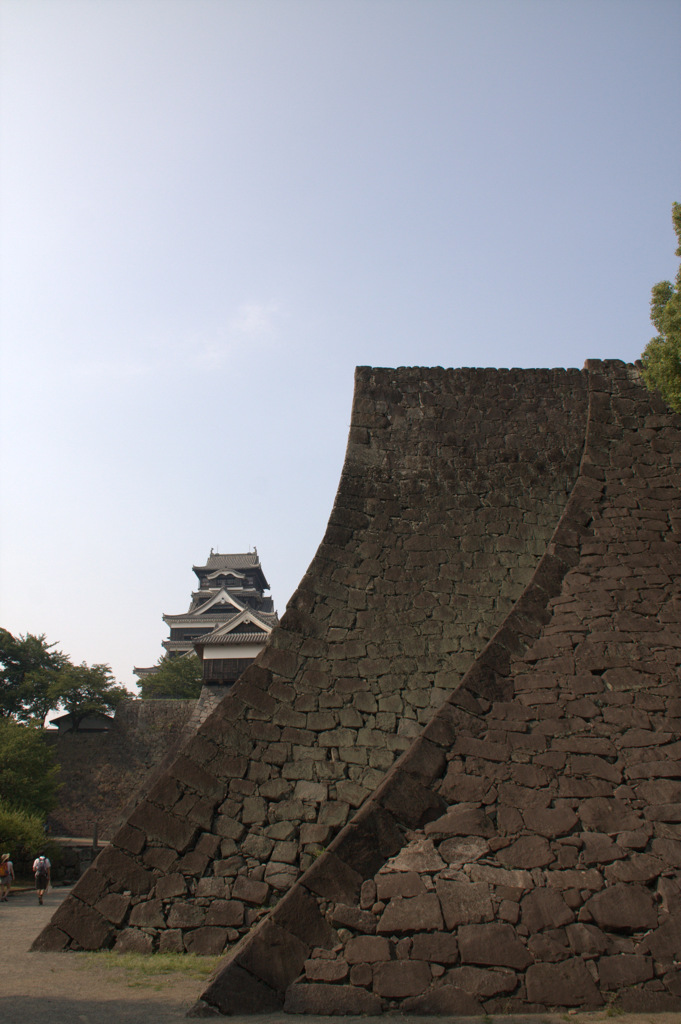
<point x="211" y="211"/>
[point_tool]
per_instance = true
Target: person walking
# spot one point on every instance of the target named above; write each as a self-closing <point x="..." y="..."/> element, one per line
<point x="41" y="870"/>
<point x="6" y="876"/>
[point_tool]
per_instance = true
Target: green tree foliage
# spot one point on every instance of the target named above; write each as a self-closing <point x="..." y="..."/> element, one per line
<point x="82" y="690"/>
<point x="662" y="356"/>
<point x="28" y="665"/>
<point x="21" y="831"/>
<point x="175" y="678"/>
<point x="28" y="774"/>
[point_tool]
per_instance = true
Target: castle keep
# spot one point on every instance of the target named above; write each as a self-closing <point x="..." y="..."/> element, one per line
<point x="451" y="782"/>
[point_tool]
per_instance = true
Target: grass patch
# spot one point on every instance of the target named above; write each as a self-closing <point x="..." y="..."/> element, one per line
<point x="142" y="969"/>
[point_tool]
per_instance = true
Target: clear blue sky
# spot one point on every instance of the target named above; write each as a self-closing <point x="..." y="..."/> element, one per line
<point x="213" y="210"/>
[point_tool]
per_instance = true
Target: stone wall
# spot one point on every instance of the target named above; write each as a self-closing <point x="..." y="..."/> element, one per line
<point x="102" y="773"/>
<point x="453" y="486"/>
<point x="525" y="854"/>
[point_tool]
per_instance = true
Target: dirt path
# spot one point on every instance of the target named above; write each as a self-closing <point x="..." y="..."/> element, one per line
<point x="64" y="988"/>
<point x="67" y="988"/>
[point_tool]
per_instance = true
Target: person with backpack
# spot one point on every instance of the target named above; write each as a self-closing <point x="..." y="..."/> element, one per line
<point x="41" y="870"/>
<point x="6" y="876"/>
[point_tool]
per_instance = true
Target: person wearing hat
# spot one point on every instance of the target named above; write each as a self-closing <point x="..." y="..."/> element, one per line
<point x="6" y="876"/>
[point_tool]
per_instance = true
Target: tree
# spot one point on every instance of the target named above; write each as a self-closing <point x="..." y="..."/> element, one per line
<point x="82" y="690"/>
<point x="662" y="355"/>
<point x="175" y="678"/>
<point x="28" y="774"/>
<point x="28" y="665"/>
<point x="21" y="831"/>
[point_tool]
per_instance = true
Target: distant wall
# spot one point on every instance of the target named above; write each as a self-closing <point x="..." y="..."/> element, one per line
<point x="101" y="772"/>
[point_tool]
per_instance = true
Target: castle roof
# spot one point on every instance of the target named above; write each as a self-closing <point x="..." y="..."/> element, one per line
<point x="262" y="624"/>
<point x="249" y="560"/>
<point x="217" y="563"/>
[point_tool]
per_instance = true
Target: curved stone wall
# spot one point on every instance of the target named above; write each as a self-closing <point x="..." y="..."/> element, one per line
<point x="452" y="485"/>
<point x="525" y="854"/>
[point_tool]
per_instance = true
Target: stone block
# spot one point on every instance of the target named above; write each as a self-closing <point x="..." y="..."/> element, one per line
<point x="225" y="913"/>
<point x="464" y="902"/>
<point x="367" y="949"/>
<point x="207" y="941"/>
<point x="113" y="906"/>
<point x="259" y="847"/>
<point x="208" y="844"/>
<point x="170" y="941"/>
<point x="254" y="811"/>
<point x="228" y="828"/>
<point x="351" y="793"/>
<point x="545" y="908"/>
<point x="462" y="820"/>
<point x="623" y="907"/>
<point x="609" y="816"/>
<point x="411" y="914"/>
<point x="299" y="913"/>
<point x="233" y="990"/>
<point x="333" y="813"/>
<point x="124" y="871"/>
<point x="527" y="852"/>
<point x="326" y="970"/>
<point x="250" y="890"/>
<point x="211" y="887"/>
<point x="586" y="938"/>
<point x="192" y="775"/>
<point x="133" y="940"/>
<point x="361" y="974"/>
<point x="273" y="955"/>
<point x="314" y="834"/>
<point x="148" y="914"/>
<point x="83" y="923"/>
<point x="315" y="792"/>
<point x="398" y="883"/>
<point x="565" y="984"/>
<point x="639" y="867"/>
<point x="484" y="984"/>
<point x="323" y="999"/>
<point x="664" y="942"/>
<point x="463" y="850"/>
<point x="550" y="821"/>
<point x="494" y="944"/>
<point x="514" y="879"/>
<point x="51" y="940"/>
<point x="130" y="839"/>
<point x="90" y="886"/>
<point x="160" y="858"/>
<point x="280" y="876"/>
<point x="572" y="878"/>
<point x="193" y="863"/>
<point x="186" y="915"/>
<point x="397" y="979"/>
<point x="287" y="810"/>
<point x="229" y="867"/>
<point x="345" y="916"/>
<point x="600" y="849"/>
<point x="333" y="879"/>
<point x="435" y="948"/>
<point x="445" y="1000"/>
<point x="408" y="801"/>
<point x="626" y="969"/>
<point x="460" y="788"/>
